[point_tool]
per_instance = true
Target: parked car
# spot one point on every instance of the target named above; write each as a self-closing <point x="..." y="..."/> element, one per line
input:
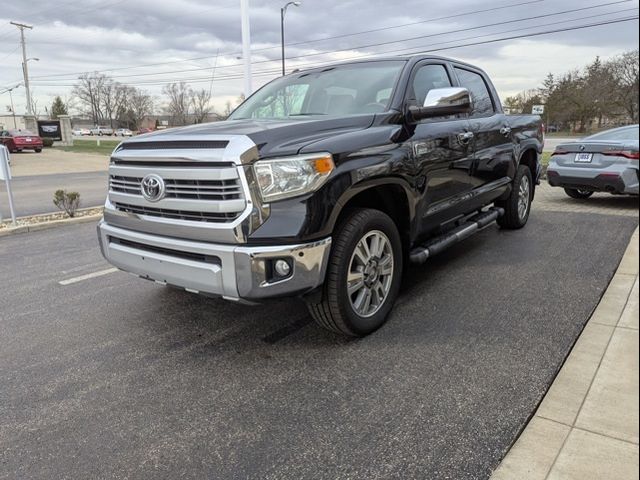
<point x="19" y="140"/>
<point x="367" y="164"/>
<point x="97" y="130"/>
<point x="80" y="132"/>
<point x="605" y="162"/>
<point x="144" y="130"/>
<point x="123" y="132"/>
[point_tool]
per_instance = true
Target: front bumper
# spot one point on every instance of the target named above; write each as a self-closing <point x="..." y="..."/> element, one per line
<point x="613" y="179"/>
<point x="235" y="272"/>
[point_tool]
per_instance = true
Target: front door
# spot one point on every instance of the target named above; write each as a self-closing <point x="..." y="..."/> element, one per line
<point x="442" y="149"/>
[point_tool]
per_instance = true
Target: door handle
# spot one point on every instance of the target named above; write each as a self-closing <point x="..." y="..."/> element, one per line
<point x="506" y="131"/>
<point x="465" y="137"/>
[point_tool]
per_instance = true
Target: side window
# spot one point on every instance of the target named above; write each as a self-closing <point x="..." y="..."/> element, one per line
<point x="482" y="104"/>
<point x="427" y="78"/>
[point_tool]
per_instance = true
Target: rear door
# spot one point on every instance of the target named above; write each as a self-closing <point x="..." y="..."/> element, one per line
<point x="493" y="162"/>
<point x="441" y="148"/>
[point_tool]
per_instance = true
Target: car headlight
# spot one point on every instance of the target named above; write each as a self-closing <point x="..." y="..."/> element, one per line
<point x="289" y="177"/>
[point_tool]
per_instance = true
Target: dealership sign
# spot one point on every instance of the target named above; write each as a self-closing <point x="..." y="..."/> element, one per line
<point x="50" y="129"/>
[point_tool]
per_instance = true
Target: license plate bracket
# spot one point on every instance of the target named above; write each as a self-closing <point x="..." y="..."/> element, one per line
<point x="583" y="158"/>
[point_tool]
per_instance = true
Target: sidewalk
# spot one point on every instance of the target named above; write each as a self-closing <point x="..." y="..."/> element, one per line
<point x="587" y="425"/>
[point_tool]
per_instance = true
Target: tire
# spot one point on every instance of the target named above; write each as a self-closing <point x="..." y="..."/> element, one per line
<point x="337" y="308"/>
<point x="38" y="150"/>
<point x="517" y="206"/>
<point x="577" y="193"/>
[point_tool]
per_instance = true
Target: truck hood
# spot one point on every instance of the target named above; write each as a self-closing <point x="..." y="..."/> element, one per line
<point x="273" y="137"/>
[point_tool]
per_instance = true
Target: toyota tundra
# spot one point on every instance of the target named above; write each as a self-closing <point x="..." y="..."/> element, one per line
<point x="323" y="184"/>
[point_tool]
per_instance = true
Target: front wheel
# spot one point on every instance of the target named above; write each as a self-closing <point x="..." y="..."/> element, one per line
<point x="578" y="193"/>
<point x="363" y="276"/>
<point x="517" y="206"/>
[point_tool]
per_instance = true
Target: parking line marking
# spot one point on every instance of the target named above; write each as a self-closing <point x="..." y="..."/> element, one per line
<point x="99" y="273"/>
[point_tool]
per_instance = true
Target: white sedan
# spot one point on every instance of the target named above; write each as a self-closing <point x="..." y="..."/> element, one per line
<point x="123" y="132"/>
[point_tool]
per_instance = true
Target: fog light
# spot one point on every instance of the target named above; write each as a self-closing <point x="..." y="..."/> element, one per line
<point x="282" y="268"/>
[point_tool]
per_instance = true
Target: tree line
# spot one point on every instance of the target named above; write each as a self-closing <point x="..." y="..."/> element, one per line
<point x="111" y="103"/>
<point x="108" y="102"/>
<point x="602" y="94"/>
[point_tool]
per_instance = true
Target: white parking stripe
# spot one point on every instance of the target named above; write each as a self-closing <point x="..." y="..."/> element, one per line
<point x="99" y="273"/>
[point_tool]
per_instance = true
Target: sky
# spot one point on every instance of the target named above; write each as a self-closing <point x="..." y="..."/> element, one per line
<point x="148" y="43"/>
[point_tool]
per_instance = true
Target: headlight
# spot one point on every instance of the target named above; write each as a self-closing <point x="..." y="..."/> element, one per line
<point x="289" y="177"/>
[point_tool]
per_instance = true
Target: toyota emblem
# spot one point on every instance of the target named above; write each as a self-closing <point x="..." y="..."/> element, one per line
<point x="152" y="187"/>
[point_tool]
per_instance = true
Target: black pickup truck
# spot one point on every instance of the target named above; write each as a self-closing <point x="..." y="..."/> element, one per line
<point x="323" y="184"/>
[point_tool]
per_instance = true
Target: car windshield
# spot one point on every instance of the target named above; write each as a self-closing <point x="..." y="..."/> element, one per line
<point x="21" y="133"/>
<point x="627" y="133"/>
<point x="338" y="90"/>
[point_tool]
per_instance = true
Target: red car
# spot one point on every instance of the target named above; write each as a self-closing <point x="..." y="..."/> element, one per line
<point x="19" y="140"/>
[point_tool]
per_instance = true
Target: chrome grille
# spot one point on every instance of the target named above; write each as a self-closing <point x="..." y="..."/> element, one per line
<point x="177" y="214"/>
<point x="187" y="189"/>
<point x="200" y="186"/>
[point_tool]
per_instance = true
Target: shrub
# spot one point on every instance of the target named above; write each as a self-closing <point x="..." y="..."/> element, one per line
<point x="47" y="142"/>
<point x="67" y="201"/>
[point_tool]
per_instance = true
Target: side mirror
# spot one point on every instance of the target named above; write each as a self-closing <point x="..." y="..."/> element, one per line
<point x="441" y="102"/>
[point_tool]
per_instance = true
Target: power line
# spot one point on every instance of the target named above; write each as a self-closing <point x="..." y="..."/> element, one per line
<point x="305" y="42"/>
<point x="535" y="17"/>
<point x="422" y="50"/>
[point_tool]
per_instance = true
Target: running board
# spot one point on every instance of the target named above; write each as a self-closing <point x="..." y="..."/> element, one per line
<point x="470" y="226"/>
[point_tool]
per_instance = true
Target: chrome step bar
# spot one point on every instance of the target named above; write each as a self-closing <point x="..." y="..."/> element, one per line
<point x="467" y="228"/>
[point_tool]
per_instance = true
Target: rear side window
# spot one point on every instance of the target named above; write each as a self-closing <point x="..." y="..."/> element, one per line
<point x="482" y="104"/>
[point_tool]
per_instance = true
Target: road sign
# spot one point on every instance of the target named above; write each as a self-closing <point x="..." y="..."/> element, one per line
<point x="537" y="109"/>
<point x="5" y="174"/>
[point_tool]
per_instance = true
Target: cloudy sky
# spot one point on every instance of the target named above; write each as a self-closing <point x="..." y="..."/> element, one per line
<point x="148" y="43"/>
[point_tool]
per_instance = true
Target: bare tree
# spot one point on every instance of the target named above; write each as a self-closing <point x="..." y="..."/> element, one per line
<point x="140" y="105"/>
<point x="227" y="108"/>
<point x="200" y="103"/>
<point x="625" y="92"/>
<point x="179" y="95"/>
<point x="89" y="92"/>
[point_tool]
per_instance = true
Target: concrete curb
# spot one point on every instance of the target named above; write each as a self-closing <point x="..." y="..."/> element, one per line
<point x="586" y="426"/>
<point x="51" y="224"/>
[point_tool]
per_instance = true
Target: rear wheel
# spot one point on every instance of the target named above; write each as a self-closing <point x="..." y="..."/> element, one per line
<point x="38" y="150"/>
<point x="518" y="205"/>
<point x="578" y="193"/>
<point x="363" y="276"/>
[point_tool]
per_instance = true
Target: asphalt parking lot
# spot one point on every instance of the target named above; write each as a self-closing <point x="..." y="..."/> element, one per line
<point x="115" y="377"/>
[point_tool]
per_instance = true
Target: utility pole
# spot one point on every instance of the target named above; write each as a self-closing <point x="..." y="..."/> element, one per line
<point x="246" y="45"/>
<point x="25" y="69"/>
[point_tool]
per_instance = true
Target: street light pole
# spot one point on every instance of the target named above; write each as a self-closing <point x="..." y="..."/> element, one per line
<point x="246" y="45"/>
<point x="13" y="110"/>
<point x="25" y="69"/>
<point x="283" y="10"/>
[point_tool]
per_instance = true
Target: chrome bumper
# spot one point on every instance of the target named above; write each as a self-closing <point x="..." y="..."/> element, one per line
<point x="231" y="271"/>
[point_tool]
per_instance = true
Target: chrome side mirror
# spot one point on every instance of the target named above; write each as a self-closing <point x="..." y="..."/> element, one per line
<point x="442" y="102"/>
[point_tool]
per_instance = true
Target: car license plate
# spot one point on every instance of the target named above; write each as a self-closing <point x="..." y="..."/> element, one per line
<point x="584" y="157"/>
<point x="29" y="139"/>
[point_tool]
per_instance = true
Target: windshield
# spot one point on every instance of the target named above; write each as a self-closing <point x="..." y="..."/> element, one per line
<point x="339" y="90"/>
<point x="626" y="133"/>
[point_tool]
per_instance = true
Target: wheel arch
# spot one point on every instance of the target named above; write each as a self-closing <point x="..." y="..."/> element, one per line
<point x="390" y="196"/>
